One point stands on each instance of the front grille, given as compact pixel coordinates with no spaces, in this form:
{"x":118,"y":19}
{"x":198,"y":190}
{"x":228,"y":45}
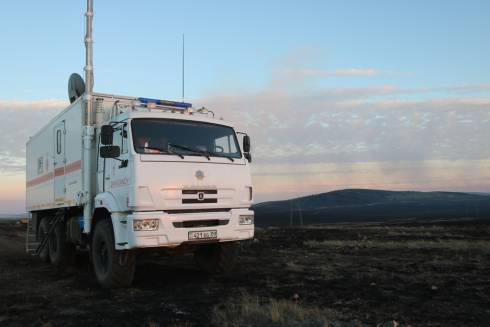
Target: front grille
{"x":200,"y":196}
{"x":200,"y":223}
{"x":188,"y":201}
{"x":199,"y":191}
{"x":197,"y":210}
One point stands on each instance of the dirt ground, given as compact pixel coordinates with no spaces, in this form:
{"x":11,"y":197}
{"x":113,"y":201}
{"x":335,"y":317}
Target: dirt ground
{"x":365,"y":275}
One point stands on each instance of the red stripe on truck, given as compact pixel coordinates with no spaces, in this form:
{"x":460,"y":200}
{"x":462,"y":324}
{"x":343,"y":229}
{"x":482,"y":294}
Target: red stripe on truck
{"x":74,"y":166}
{"x":40,"y":179}
{"x":59,"y":171}
{"x":70,"y":168}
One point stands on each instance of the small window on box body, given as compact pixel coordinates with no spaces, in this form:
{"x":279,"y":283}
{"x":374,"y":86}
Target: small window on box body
{"x":58,"y":141}
{"x":40,"y":166}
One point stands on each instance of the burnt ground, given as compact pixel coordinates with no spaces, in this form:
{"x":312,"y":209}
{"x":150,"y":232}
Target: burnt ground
{"x":365,"y":275}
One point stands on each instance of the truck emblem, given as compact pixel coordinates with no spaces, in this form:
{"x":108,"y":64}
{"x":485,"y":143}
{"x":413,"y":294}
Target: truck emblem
{"x":199,"y":174}
{"x":200,"y":196}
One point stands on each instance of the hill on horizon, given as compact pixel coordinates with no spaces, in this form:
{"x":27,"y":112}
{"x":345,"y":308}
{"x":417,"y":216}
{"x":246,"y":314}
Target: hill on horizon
{"x":13,"y":216}
{"x":366,"y":205}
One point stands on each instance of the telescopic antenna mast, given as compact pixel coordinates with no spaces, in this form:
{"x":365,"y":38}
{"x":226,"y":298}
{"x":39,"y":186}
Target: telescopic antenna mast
{"x":89,"y":131}
{"x":89,"y":67}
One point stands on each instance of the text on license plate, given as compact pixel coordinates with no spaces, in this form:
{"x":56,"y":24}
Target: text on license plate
{"x":203,"y":235}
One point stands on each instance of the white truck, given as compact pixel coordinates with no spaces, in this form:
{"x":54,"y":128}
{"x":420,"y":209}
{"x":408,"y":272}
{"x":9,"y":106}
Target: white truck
{"x":117,"y":174}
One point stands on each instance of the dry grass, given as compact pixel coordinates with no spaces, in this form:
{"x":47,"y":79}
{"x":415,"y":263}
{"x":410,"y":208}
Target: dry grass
{"x":378,"y":227}
{"x":153,"y":323}
{"x":247,"y":310}
{"x":294,"y":267}
{"x":453,"y":245}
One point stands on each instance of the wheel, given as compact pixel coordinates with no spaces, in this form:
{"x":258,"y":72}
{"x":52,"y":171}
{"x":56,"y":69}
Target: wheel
{"x":112,"y":268}
{"x":41,"y":231}
{"x":217,"y":257}
{"x":61,"y":252}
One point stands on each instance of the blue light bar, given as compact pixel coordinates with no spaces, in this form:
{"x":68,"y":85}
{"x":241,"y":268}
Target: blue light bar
{"x":165,"y":103}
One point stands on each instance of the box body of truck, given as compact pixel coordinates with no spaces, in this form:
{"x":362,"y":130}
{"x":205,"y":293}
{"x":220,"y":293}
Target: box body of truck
{"x":53,"y":165}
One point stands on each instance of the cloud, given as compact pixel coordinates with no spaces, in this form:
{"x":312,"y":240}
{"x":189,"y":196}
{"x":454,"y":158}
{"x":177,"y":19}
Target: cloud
{"x":33,"y":105}
{"x":369,"y":137}
{"x":341,"y":72}
{"x":400,"y":103}
{"x":374,"y":135}
{"x":355,"y":125}
{"x":467,"y":87}
{"x":361,"y":136}
{"x":20,"y":120}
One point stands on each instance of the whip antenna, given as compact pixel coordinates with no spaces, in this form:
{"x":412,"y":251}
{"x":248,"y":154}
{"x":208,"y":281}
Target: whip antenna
{"x":183,"y":66}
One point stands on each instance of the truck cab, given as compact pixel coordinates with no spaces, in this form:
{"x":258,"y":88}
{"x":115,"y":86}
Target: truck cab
{"x":170,"y":178}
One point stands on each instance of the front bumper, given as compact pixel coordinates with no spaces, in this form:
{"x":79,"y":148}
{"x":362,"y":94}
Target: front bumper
{"x":171,"y":231}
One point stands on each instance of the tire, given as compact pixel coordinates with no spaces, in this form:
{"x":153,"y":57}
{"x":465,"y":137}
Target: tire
{"x":61,"y":252}
{"x":216,"y":258}
{"x":41,"y":231}
{"x":112,"y":268}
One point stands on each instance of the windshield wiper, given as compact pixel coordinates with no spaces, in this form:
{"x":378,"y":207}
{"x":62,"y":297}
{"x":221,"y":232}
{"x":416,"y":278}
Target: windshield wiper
{"x":206,"y":154}
{"x":214,"y":154}
{"x":183,"y":147}
{"x":164,"y":151}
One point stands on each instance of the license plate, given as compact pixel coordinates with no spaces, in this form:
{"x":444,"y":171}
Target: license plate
{"x":203,"y":235}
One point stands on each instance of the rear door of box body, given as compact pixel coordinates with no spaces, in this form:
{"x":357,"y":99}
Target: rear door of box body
{"x":59,"y":162}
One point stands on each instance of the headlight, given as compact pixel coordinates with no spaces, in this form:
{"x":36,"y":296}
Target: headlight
{"x":246,"y":220}
{"x":145,"y":224}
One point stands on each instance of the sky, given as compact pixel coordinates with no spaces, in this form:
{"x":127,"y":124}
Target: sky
{"x":335,"y":94}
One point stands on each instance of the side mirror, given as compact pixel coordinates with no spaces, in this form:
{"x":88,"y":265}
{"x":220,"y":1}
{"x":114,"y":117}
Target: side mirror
{"x":106,"y":133}
{"x":110,"y":151}
{"x":246,"y":144}
{"x":248,"y":156}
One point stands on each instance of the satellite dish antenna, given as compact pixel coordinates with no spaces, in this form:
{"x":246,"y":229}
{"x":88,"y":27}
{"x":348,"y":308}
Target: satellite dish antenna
{"x":76,"y":87}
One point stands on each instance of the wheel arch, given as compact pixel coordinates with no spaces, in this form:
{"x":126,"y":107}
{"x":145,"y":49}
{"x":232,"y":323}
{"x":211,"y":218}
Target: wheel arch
{"x":118,"y":222}
{"x":105,"y":204}
{"x":100,"y":214}
{"x":108,"y":201}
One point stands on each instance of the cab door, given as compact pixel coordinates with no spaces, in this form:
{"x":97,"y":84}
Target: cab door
{"x":116,"y":174}
{"x":59,"y":163}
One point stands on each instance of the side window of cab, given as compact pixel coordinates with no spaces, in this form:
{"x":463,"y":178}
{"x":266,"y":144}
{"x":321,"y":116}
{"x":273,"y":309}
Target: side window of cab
{"x":117,"y":137}
{"x":225,"y":145}
{"x":120,"y":137}
{"x":124,"y":138}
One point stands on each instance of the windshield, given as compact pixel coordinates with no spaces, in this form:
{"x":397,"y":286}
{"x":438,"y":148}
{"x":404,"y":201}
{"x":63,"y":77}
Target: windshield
{"x":166,"y":136}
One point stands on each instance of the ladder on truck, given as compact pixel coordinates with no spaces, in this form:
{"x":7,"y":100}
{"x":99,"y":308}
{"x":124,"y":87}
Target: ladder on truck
{"x":34,"y":243}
